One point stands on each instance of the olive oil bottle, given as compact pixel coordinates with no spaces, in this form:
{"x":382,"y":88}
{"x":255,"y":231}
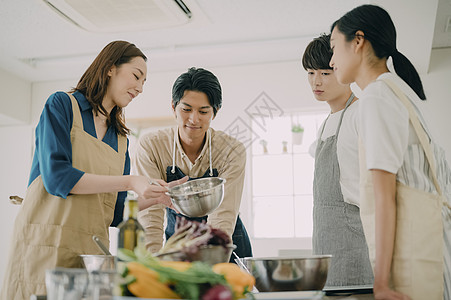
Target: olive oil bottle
{"x":131,"y":233}
{"x":130,"y":236}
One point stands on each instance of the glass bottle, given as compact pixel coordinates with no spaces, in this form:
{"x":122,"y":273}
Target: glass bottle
{"x":131,"y":233}
{"x":130,"y":236}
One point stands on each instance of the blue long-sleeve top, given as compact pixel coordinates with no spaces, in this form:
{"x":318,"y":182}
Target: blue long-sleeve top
{"x":53,"y":148}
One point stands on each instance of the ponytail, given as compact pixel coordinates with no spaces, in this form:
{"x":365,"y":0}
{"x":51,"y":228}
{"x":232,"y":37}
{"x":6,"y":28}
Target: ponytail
{"x":380,"y":31}
{"x":407,"y":72}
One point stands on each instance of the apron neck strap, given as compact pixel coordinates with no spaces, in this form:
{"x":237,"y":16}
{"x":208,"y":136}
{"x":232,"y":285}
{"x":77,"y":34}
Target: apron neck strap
{"x":77,"y":119}
{"x":348,"y":102}
{"x":174,"y":147}
{"x":209,"y":146}
{"x":419,"y":130}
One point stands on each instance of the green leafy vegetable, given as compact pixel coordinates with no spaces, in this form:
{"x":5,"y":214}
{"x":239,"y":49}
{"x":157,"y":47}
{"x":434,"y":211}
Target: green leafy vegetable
{"x":189,"y":284}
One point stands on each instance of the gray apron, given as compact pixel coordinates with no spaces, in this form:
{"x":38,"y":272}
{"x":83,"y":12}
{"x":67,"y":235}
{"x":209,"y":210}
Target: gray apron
{"x":337,"y":228}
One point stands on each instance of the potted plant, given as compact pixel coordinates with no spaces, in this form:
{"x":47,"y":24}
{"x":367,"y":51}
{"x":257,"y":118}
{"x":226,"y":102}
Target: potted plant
{"x":264,"y":143}
{"x":297,"y":132}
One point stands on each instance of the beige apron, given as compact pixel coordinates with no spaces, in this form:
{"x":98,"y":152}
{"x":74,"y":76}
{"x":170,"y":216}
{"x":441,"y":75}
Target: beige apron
{"x":51,"y":231}
{"x":417,"y":264}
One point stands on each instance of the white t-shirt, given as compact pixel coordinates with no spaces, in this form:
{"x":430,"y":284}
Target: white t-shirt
{"x":347,"y":149}
{"x":384,"y":124}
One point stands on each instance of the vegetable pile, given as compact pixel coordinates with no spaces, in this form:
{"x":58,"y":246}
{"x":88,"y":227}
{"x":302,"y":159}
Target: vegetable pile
{"x":189,"y":236}
{"x":145,"y":276}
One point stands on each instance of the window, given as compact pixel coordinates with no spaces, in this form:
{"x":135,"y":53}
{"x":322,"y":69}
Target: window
{"x":282,"y":177}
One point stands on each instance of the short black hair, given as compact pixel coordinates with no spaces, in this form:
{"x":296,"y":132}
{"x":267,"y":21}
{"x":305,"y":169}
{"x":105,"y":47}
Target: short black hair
{"x":317,"y":55}
{"x":198,"y":80}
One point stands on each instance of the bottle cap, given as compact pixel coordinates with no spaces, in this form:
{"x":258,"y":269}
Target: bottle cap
{"x":131,"y":195}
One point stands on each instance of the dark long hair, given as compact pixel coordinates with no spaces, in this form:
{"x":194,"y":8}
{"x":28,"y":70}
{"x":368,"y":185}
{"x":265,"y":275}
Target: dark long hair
{"x":94,"y":82}
{"x":379,"y":30}
{"x":198,"y":80}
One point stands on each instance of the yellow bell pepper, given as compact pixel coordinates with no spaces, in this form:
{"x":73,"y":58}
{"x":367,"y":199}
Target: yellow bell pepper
{"x":239,"y":280}
{"x":177,"y":265}
{"x":147,"y":284}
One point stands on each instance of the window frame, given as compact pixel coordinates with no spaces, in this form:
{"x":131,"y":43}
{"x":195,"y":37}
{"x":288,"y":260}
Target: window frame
{"x":273,"y":246}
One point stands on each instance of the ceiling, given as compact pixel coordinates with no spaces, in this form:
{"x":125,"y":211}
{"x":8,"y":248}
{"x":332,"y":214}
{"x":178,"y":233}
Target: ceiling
{"x":37,"y":44}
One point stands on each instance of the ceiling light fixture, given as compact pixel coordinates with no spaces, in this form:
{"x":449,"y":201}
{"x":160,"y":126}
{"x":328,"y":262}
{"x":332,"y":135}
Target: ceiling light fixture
{"x":124,"y":15}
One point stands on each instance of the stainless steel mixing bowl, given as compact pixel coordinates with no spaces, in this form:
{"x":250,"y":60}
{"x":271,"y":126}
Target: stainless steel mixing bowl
{"x":199,"y":197}
{"x":98,"y":262}
{"x":211,"y":254}
{"x":274,"y":274}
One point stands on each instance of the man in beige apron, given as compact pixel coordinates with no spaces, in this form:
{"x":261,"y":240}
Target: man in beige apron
{"x":51,"y":231}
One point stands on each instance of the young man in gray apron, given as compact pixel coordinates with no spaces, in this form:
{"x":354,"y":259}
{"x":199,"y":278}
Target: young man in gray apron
{"x":194,"y":149}
{"x":337,"y":228}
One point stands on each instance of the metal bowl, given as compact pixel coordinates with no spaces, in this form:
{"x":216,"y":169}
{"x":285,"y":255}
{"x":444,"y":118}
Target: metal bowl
{"x":98,"y":262}
{"x":275,"y":274}
{"x":199,"y":197}
{"x":210,"y":254}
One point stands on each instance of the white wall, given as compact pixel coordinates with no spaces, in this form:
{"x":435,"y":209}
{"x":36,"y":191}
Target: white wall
{"x":15,"y":99}
{"x":15,"y":153}
{"x":15,"y":161}
{"x":409,"y":33}
{"x":438,"y":92}
{"x":284,"y":82}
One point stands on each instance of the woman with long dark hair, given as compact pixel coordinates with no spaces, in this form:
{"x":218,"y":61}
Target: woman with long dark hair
{"x":401,"y":198}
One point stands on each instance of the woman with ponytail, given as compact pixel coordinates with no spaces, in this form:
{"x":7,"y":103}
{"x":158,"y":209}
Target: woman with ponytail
{"x":401,"y":199}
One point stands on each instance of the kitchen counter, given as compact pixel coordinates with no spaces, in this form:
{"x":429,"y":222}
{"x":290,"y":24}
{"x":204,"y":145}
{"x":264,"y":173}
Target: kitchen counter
{"x":352,"y":297}
{"x":311,"y":295}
